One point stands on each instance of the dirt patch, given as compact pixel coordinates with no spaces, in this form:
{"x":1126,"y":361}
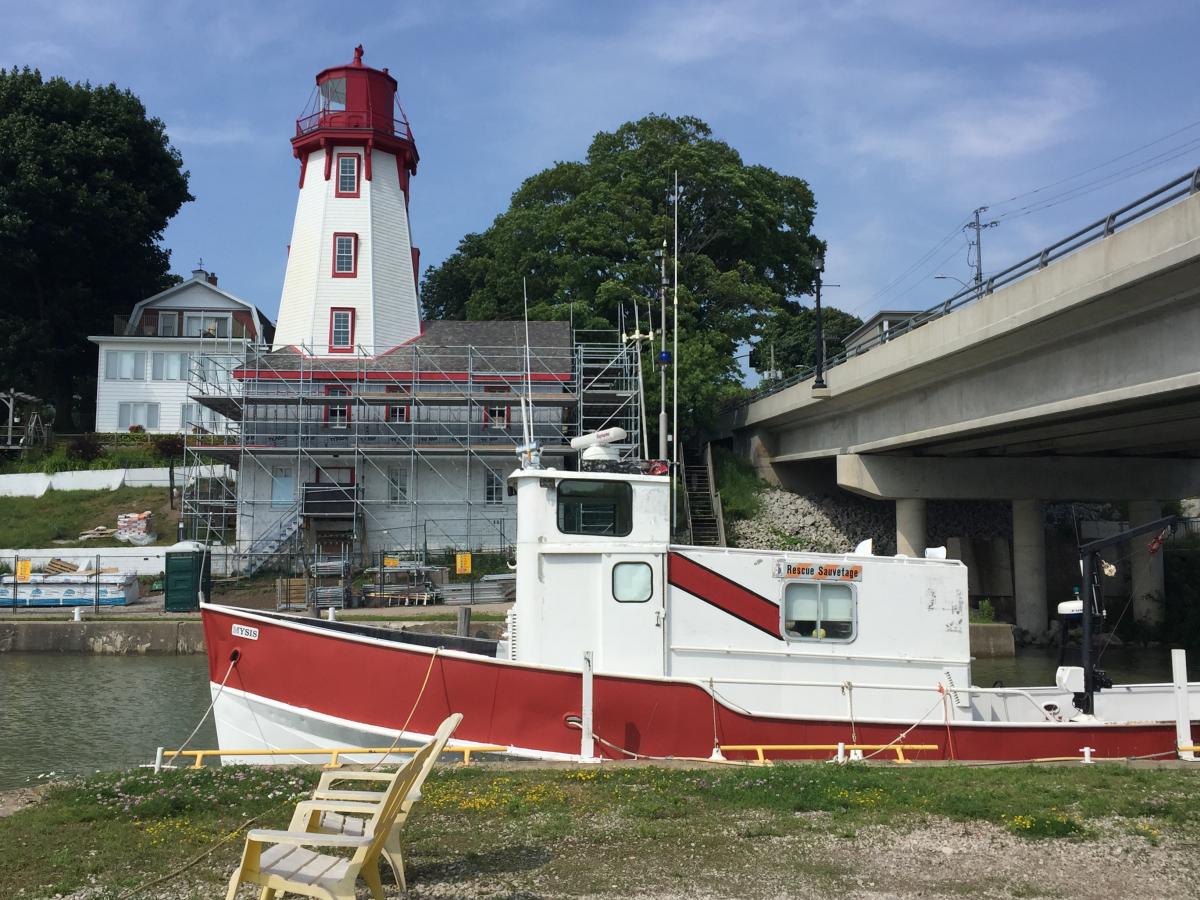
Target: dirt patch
{"x":22,"y":798}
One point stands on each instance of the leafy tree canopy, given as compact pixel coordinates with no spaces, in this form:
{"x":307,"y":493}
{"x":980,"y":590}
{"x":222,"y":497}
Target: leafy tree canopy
{"x":584,"y":234}
{"x":88,"y":182}
{"x":792,"y":334}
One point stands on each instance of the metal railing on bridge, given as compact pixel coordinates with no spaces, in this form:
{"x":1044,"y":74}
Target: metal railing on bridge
{"x":1177,"y":189}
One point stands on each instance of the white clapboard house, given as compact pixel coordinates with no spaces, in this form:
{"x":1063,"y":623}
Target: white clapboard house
{"x":146,"y":364}
{"x":360,"y":426}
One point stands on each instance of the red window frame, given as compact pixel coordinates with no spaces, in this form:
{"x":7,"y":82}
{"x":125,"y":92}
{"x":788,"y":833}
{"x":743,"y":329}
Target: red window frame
{"x":397,"y":412}
{"x":337,"y":184}
{"x":338,"y":348}
{"x":353,"y":273}
{"x":329,"y":392}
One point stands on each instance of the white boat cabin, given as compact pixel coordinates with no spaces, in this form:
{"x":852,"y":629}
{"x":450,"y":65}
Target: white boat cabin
{"x":596,"y":572}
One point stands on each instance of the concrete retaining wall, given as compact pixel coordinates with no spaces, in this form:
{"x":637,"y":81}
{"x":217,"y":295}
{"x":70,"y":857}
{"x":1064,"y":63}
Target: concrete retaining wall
{"x":115,"y":638}
{"x":992,"y":640}
{"x":34,"y":484}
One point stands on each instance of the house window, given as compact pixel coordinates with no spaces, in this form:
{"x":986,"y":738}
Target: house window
{"x":632,"y":582}
{"x":396,"y":412}
{"x":496,"y":416}
{"x":397,"y":485}
{"x":495,"y":488}
{"x":595,"y":507}
{"x":345,"y":255}
{"x":283,"y":485}
{"x":341,"y":330}
{"x":337,"y":414}
{"x":169,"y":366}
{"x":124,"y":365}
{"x":204,"y":325}
{"x":347,"y":178}
{"x":194,"y":417}
{"x":818,"y":611}
{"x":168,"y":324}
{"x":130,"y":414}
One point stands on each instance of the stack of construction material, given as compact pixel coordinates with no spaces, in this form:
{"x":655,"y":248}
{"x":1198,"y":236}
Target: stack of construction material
{"x":136,"y":528}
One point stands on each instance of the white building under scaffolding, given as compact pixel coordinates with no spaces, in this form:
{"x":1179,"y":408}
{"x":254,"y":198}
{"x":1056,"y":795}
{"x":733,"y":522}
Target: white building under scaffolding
{"x":403,"y":451}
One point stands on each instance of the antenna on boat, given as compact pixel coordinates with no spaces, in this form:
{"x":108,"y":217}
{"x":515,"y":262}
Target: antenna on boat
{"x":529,"y":452}
{"x":637,"y":348}
{"x":675,"y":336}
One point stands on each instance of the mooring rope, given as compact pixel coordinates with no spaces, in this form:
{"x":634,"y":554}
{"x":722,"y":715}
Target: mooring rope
{"x":204,"y":854}
{"x":232,"y":662}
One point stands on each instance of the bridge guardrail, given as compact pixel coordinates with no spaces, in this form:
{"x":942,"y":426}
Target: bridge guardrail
{"x":1183,"y":186}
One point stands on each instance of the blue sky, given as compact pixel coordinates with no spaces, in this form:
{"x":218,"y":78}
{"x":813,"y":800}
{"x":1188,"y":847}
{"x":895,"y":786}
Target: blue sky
{"x":902,"y":116}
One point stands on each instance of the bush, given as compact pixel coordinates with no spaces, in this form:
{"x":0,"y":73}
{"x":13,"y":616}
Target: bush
{"x":84,"y":448}
{"x":137,"y":429}
{"x":169,"y":446}
{"x":738,"y":484}
{"x":985,"y":612}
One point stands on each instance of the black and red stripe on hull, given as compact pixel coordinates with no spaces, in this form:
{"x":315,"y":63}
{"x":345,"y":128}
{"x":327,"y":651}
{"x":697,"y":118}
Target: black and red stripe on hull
{"x":378,"y":683}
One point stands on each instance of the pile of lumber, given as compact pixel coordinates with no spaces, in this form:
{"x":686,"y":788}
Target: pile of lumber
{"x":100,"y":532}
{"x":136,"y":528}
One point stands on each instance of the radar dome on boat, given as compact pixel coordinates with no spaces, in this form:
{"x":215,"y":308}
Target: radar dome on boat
{"x":598,"y":438}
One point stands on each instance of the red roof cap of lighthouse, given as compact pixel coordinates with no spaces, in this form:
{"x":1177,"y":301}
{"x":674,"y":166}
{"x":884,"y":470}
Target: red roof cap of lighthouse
{"x":355,"y":104}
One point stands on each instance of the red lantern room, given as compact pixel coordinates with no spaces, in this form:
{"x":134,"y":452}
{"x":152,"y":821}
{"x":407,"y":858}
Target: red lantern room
{"x":355,"y":105}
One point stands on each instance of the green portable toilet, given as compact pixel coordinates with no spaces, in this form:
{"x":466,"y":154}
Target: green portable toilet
{"x":188,"y":574}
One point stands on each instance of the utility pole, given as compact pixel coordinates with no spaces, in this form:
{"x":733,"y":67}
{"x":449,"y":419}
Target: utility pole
{"x":819,"y":375}
{"x":978,"y":228}
{"x":663,"y":356}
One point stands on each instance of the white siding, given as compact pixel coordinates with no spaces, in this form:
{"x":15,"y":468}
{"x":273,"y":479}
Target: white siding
{"x":383,"y":294}
{"x":169,"y":395}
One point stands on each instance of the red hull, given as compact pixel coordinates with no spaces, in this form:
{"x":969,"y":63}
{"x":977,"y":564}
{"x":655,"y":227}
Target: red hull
{"x":527,"y":707}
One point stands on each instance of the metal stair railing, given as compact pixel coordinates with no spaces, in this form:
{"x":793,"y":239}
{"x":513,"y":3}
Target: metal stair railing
{"x":272,"y":542}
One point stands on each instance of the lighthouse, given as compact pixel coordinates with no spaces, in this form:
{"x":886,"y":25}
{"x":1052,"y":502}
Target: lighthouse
{"x":351,"y":281}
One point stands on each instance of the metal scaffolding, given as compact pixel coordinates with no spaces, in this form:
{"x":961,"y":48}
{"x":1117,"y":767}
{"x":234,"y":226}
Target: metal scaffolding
{"x":420,"y":421}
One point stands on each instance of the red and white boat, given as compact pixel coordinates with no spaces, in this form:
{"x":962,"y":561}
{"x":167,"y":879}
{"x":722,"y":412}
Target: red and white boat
{"x":668,"y":651}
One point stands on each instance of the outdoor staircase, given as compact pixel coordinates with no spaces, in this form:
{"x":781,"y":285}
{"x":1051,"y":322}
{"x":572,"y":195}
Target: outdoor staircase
{"x":702,"y":500}
{"x":278,"y":539}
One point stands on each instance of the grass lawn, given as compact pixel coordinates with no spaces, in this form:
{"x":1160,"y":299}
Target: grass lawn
{"x":809,"y":830}
{"x":62,"y":515}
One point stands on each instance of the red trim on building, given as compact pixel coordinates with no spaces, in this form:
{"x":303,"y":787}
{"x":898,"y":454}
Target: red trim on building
{"x":416,"y":258}
{"x":397,"y":412}
{"x":487,"y":415}
{"x":337,"y":185}
{"x":295,"y":374}
{"x":303,"y":169}
{"x":353,"y":273}
{"x":367,"y":159}
{"x":326,"y":146}
{"x":338,"y":348}
{"x":727,"y":596}
{"x":329,"y":392}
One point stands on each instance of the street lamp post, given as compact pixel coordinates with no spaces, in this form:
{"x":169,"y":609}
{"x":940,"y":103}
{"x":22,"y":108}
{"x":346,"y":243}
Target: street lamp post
{"x":819,"y":376}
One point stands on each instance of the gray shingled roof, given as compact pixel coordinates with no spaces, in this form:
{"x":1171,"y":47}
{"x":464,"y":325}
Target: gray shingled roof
{"x":452,"y":346}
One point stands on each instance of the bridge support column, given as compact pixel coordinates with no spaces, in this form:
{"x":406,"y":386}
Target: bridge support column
{"x":910,"y":527}
{"x":1145,"y":571}
{"x":1029,"y":566}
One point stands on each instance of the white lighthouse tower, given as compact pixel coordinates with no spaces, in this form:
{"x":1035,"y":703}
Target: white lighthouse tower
{"x":351,"y":282}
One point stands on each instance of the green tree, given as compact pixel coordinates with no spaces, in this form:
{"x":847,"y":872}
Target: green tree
{"x":792,"y":332}
{"x":584,"y":234}
{"x":88,"y":182}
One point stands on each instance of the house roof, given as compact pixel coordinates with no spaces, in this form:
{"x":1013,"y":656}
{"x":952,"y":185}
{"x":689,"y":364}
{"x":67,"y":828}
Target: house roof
{"x":449,"y":348}
{"x":263,"y":326}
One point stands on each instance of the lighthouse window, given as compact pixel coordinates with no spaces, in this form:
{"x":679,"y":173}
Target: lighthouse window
{"x":821,"y":611}
{"x":347,"y":183}
{"x":345,"y":255}
{"x":341,"y":330}
{"x":595,"y":507}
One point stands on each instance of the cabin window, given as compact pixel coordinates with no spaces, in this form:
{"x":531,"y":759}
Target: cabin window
{"x":821,"y":611}
{"x":632,"y":582}
{"x":595,"y":507}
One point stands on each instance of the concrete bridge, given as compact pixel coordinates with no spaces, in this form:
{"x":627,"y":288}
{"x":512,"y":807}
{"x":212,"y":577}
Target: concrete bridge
{"x":1078,"y":381}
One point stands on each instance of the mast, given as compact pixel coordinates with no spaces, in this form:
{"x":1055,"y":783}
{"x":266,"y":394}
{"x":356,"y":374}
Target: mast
{"x":675,"y":335}
{"x":662,"y":351}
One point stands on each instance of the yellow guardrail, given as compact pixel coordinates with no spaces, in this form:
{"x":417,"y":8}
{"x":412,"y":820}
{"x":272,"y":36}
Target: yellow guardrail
{"x":761,"y":749}
{"x":334,"y":753}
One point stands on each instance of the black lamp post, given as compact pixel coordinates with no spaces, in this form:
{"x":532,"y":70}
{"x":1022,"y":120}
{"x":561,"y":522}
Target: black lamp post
{"x":819,"y":376}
